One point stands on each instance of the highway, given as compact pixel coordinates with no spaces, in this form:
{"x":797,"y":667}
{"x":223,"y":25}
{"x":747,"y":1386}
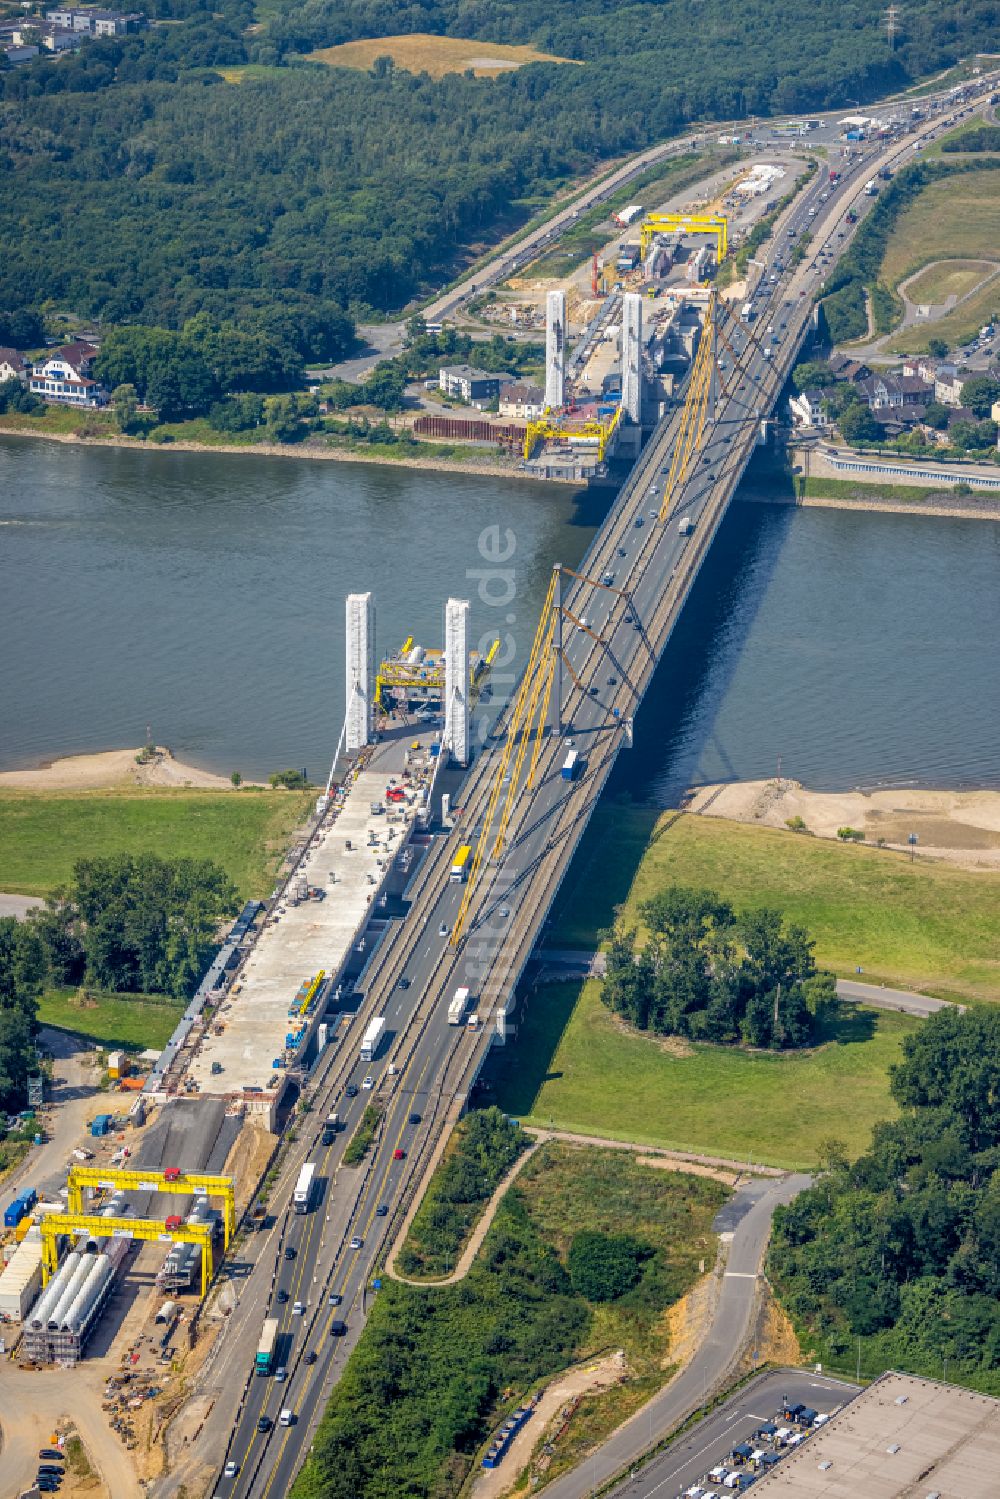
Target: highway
{"x":612,"y":660}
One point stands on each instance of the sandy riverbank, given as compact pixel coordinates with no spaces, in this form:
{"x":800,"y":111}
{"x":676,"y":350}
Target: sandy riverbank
{"x":959,"y":827}
{"x":283,"y":450}
{"x":112,"y":770}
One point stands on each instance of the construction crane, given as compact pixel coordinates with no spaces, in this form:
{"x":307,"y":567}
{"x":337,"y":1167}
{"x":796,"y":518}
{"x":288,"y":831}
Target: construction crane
{"x":599,"y":430}
{"x":55,"y":1226}
{"x":172,"y":1180}
{"x":715,"y":224}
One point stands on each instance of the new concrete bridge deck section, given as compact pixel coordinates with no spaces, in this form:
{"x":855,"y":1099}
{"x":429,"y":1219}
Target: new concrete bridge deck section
{"x":348,"y":859}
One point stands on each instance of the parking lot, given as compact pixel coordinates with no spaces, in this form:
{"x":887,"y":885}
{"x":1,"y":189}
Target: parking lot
{"x":735,"y":1445}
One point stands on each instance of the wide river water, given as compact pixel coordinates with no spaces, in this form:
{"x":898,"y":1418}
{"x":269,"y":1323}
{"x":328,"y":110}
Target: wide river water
{"x":203,"y":596}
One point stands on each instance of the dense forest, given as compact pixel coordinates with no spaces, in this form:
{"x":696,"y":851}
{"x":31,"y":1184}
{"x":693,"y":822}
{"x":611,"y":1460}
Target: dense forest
{"x":156,"y":190}
{"x":706,"y":973}
{"x":901,"y":1249}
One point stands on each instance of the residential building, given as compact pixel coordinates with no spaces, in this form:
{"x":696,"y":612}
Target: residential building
{"x":846,"y":368}
{"x":522,"y":399}
{"x":64,"y":377}
{"x":93,"y":22}
{"x":60,"y":41}
{"x":807,"y":409}
{"x":14,"y":55}
{"x":475,"y":387}
{"x":948,"y":384}
{"x":895,"y":392}
{"x":13,"y":366}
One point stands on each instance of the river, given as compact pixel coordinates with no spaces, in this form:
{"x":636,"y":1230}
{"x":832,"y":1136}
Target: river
{"x":202,"y":595}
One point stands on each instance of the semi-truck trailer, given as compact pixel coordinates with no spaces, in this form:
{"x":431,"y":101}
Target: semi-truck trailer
{"x":458,"y":1006}
{"x":747,"y":313}
{"x":330,"y":1127}
{"x":460,"y":868}
{"x":371,"y":1038}
{"x":303,"y":1192}
{"x":265,"y":1348}
{"x":571,"y":766}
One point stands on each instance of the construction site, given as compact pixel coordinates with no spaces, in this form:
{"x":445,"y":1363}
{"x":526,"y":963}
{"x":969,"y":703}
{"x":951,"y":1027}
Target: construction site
{"x":132,"y":1233}
{"x":622,"y":329}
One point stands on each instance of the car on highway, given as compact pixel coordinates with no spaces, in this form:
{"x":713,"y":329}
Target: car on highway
{"x":289,"y":1252}
{"x":592,"y":691}
{"x":638,"y":522}
{"x":282,"y":1296}
{"x":504,"y":912}
{"x":414,"y":1118}
{"x":382,"y":1211}
{"x":399,"y":1155}
{"x":311,"y":1356}
{"x":281,"y":1374}
{"x":403,"y":983}
{"x":612,"y":681}
{"x":351,"y":1090}
{"x":264,"y":1424}
{"x":299,"y":1309}
{"x":334,"y":1299}
{"x":337,"y":1329}
{"x":443,"y":930}
{"x":622,"y":552}
{"x":230,"y":1470}
{"x":356,"y":1242}
{"x":368,"y":1083}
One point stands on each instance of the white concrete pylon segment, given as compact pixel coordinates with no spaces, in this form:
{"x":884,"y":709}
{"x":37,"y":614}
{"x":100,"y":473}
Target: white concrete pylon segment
{"x":632,"y":355}
{"x":555,"y":349}
{"x":456,"y":678}
{"x":360,"y":670}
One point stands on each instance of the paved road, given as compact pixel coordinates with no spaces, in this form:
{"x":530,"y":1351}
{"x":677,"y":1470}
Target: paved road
{"x":71,"y":1103}
{"x":19,"y":905}
{"x":880,"y":998}
{"x":748,"y":1218}
{"x":610,"y":662}
{"x":686,"y":1462}
{"x":877,"y":996}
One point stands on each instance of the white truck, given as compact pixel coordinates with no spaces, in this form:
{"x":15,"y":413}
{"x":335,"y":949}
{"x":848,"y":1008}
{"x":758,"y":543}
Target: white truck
{"x":371,"y":1038}
{"x":302,"y":1194}
{"x":748,"y":313}
{"x":685,"y":525}
{"x":458,"y":1006}
{"x":871,"y":188}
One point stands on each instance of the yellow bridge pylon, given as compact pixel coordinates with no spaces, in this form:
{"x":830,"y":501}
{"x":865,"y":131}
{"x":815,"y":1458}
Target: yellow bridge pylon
{"x":178,"y":1183}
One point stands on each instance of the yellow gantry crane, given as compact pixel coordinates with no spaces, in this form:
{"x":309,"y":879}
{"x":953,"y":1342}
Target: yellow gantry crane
{"x":715,"y":224}
{"x":172,"y":1180}
{"x":55,"y":1225}
{"x":598,"y":430}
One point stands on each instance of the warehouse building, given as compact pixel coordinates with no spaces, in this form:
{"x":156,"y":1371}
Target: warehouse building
{"x":901,"y":1438}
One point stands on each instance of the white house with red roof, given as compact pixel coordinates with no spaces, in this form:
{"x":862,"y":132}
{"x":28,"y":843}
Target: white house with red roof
{"x":64,"y":376}
{"x":13,"y":366}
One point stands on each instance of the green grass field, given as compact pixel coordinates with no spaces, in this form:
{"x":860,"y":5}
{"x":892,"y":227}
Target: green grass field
{"x":43,"y":834}
{"x":923,"y":926}
{"x":851,"y":489}
{"x":948,"y":278}
{"x":131,"y":1021}
{"x":575,"y":1067}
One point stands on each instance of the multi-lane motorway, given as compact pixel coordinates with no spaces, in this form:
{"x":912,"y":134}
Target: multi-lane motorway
{"x":611,"y":661}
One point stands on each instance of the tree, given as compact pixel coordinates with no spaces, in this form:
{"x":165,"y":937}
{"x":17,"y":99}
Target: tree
{"x":149,"y":924}
{"x":384,"y":387}
{"x":858,"y":424}
{"x":282,"y":419}
{"x":124,"y":401}
{"x":57,"y":925}
{"x":603,"y":1267}
{"x":22,"y":973}
{"x":291,"y":780}
{"x":980,"y":393}
{"x":937,"y":348}
{"x":236,"y":779}
{"x":812,"y":373}
{"x":936,"y":416}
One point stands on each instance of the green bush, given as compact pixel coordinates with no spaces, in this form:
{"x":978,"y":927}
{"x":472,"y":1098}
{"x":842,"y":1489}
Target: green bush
{"x":485,"y":1146}
{"x":603,"y":1267}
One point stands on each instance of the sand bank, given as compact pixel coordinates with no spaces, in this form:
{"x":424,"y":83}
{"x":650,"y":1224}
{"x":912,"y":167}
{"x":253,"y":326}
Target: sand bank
{"x":111,"y":769}
{"x":960,"y":827}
